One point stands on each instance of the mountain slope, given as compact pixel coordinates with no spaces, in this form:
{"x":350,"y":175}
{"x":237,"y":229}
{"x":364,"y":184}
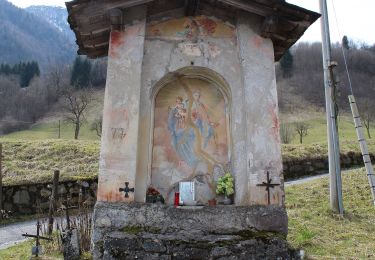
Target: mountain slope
{"x":24,"y":37}
{"x":54,"y":15}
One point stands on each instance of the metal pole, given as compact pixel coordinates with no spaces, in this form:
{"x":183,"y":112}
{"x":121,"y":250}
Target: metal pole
{"x":332,"y":134}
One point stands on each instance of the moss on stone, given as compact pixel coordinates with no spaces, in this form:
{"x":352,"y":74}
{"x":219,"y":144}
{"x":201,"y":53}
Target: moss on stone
{"x":133,"y":230}
{"x":249,"y":234}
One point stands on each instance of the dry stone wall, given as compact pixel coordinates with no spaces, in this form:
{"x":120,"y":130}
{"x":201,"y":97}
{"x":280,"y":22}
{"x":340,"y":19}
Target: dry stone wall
{"x":34,"y":198}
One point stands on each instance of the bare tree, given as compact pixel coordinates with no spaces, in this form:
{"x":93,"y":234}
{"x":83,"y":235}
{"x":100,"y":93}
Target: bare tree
{"x":97,"y":126}
{"x":75,"y":105}
{"x":56,"y":81}
{"x":367,"y":114}
{"x":286,"y":133}
{"x":302,"y":130}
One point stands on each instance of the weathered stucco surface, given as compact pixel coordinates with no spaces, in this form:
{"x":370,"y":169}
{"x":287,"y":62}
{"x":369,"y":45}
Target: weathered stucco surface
{"x":143,"y":58}
{"x":118,"y":156}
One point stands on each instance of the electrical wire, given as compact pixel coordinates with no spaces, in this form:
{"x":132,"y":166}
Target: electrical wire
{"x":342,"y":50}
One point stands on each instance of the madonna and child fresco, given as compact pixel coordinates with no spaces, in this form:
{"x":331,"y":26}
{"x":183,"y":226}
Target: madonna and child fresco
{"x":190,"y":141}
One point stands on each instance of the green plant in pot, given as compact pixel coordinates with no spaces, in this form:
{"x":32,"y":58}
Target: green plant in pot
{"x":225,"y":186}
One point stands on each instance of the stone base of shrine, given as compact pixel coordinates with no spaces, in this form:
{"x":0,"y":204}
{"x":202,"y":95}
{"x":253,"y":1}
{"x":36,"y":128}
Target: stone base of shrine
{"x":150,"y":231}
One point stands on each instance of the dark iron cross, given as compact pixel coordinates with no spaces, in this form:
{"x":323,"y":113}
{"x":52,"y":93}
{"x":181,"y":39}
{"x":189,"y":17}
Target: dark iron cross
{"x":38,"y":237}
{"x":126,"y":190}
{"x":269,"y":185}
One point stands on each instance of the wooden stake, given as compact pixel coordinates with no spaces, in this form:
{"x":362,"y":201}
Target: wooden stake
{"x":52,"y":202}
{"x":59,"y":129}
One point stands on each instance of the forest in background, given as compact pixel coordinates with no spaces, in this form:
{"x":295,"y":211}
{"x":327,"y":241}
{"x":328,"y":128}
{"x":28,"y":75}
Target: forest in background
{"x":300,"y":76}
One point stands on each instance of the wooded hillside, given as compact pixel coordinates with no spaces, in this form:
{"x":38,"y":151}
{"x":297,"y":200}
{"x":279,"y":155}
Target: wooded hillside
{"x":25,"y":37}
{"x":302,"y":85}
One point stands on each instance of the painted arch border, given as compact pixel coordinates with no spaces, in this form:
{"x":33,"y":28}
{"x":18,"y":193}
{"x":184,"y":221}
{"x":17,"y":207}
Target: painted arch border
{"x":195,"y":72}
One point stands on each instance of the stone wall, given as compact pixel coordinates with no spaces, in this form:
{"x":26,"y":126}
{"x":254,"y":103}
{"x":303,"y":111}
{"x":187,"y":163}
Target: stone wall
{"x":294,"y":169}
{"x":34,"y":198}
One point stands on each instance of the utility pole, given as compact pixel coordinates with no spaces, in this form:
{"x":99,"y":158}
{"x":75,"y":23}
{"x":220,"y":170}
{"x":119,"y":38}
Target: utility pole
{"x":332,"y":131}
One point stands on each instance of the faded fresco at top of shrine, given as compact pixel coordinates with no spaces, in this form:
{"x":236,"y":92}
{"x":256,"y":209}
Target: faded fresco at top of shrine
{"x":190,"y":27}
{"x":190,"y":141}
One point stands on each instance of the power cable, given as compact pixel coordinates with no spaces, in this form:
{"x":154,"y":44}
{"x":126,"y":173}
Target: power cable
{"x":342,"y":50}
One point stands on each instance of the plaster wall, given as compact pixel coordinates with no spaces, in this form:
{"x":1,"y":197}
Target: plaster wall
{"x":118,"y":155}
{"x":232,"y":55}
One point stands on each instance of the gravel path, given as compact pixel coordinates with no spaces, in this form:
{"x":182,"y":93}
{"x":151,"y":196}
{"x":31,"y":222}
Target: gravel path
{"x":311,"y":178}
{"x":12,"y":234}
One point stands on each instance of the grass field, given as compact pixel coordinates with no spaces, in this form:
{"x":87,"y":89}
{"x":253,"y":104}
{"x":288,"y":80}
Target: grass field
{"x":324,"y":235}
{"x":33,"y":161}
{"x":42,"y":131}
{"x":318,"y":129}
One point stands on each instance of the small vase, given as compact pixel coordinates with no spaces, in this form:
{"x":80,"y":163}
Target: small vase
{"x":227,"y":200}
{"x":212,"y":202}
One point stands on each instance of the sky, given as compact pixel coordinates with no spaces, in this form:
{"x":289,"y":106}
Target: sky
{"x":355,"y":17}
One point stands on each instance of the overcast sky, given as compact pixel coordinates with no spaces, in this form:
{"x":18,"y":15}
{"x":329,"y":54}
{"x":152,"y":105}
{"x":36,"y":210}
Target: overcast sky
{"x":356,"y":17}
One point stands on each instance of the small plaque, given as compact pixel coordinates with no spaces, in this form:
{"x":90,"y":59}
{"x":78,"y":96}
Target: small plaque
{"x":187,"y":193}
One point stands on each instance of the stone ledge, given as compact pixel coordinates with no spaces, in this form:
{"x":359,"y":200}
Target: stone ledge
{"x":150,"y":231}
{"x":219,"y":219}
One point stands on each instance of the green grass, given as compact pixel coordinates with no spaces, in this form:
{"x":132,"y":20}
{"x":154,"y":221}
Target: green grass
{"x":22,"y":251}
{"x":33,"y":161}
{"x":317,"y":150}
{"x":318,"y":130}
{"x":49,"y":130}
{"x":324,"y":235}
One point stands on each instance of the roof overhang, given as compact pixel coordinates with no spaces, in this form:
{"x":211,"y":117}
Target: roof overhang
{"x":283,"y":23}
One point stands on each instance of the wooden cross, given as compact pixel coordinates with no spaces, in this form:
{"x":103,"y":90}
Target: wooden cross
{"x":67,"y":208}
{"x":126,"y":190}
{"x":37,"y":236}
{"x":269,"y":185}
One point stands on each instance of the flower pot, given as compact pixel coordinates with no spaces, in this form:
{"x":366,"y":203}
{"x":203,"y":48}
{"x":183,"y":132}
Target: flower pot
{"x":227,"y":200}
{"x":212,"y":202}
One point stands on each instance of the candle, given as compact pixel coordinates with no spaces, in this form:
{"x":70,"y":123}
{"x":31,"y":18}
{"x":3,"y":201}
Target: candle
{"x":176,"y":199}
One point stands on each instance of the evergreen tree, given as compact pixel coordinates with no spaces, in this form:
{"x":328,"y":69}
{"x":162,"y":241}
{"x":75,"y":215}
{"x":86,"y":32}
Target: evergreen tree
{"x":80,"y":77}
{"x":25,"y":71}
{"x":286,"y":64}
{"x":345,"y":42}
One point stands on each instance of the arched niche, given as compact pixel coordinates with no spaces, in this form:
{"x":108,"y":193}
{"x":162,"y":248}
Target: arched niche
{"x":190,"y":134}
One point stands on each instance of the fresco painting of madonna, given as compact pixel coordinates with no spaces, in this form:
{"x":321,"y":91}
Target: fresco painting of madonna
{"x":190,"y":141}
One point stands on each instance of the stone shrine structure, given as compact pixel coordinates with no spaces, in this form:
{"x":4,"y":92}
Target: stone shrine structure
{"x":190,"y":95}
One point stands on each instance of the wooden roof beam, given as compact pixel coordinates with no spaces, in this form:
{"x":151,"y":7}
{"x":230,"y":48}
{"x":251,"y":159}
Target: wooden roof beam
{"x":249,"y":7}
{"x":191,"y":7}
